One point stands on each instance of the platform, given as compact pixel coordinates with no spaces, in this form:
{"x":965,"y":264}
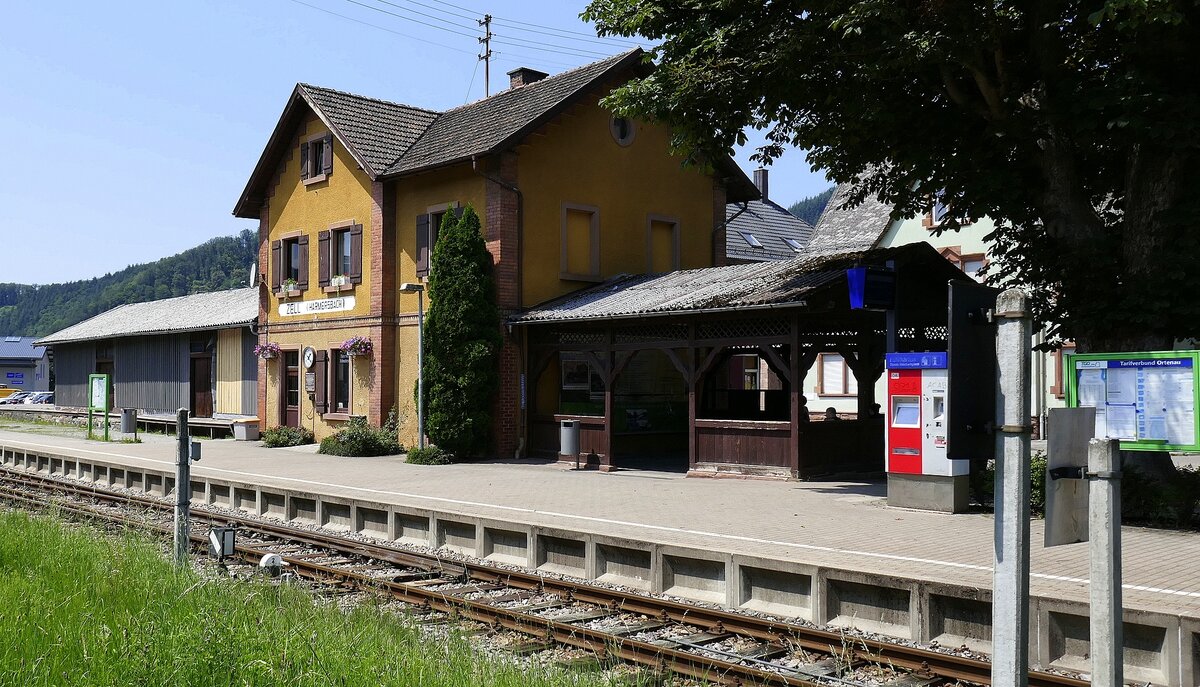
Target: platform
{"x":828,"y":552}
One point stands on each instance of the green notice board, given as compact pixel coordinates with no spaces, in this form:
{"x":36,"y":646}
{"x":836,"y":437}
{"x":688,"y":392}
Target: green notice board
{"x":1147,"y":400}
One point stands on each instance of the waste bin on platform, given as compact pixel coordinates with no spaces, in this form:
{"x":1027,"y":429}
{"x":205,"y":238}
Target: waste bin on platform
{"x":129,"y":421}
{"x":568,"y":440}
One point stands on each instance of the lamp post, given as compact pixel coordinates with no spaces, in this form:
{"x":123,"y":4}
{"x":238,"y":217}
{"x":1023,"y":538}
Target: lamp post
{"x":419,"y":289}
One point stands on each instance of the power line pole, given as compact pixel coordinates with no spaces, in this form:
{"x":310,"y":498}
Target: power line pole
{"x":486,"y":23}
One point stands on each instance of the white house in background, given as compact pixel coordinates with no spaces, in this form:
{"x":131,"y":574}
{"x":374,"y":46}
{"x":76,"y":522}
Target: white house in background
{"x":830,"y":383}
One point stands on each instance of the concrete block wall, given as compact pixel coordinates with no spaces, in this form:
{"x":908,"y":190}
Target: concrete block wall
{"x":1160,"y":649}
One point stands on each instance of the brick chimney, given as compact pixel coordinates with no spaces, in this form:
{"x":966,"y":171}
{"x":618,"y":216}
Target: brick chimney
{"x":760,"y":180}
{"x":523,"y":76}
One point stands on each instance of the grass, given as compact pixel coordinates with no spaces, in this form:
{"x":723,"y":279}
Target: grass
{"x":83,"y":609}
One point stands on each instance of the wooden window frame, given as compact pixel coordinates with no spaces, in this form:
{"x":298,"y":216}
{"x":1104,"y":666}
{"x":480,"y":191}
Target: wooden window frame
{"x":594,"y":238}
{"x":331,"y":386}
{"x":309,"y":173}
{"x":330,"y":252}
{"x":432,"y":213}
{"x":675,"y":240}
{"x":845,"y":377}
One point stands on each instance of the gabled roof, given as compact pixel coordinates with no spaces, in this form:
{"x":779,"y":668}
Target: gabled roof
{"x":761,"y":285}
{"x":20,"y":347}
{"x":850,"y":228}
{"x":770,"y":224}
{"x":390,"y":139}
{"x":376,"y":130}
{"x":200,"y":311}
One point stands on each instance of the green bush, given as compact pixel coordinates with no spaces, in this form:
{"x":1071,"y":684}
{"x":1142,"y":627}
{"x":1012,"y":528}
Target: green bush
{"x":430,"y":455}
{"x":286,"y":436}
{"x":361,"y":439}
{"x":462,"y":339}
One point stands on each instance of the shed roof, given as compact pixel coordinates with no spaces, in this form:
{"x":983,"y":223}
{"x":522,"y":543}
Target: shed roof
{"x":770,"y":224}
{"x":391,"y":139}
{"x":783,"y":283}
{"x":200,"y":311}
{"x":20,"y":347}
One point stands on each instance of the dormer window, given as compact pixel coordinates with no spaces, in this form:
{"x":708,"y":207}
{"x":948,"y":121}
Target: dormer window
{"x":794,"y":245}
{"x":316,"y":158}
{"x":749,"y":238}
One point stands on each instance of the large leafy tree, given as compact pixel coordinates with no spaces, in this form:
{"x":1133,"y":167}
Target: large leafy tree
{"x":462,"y":338}
{"x":1074,"y":124}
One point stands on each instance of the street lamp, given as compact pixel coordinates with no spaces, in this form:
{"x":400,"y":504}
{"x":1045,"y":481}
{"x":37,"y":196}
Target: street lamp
{"x":419,"y":289}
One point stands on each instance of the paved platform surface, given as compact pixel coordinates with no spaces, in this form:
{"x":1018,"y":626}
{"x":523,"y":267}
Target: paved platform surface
{"x":833,"y":524}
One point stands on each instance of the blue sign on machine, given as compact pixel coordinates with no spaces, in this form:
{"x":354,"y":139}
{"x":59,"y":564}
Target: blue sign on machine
{"x":15,"y":375}
{"x":916,"y":361}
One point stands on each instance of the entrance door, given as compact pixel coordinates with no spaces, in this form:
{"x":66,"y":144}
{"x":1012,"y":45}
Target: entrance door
{"x":290,"y":415}
{"x":201,"y":380}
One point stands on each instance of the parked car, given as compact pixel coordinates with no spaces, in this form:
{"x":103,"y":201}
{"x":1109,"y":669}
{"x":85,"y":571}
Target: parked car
{"x":40,"y":397}
{"x":18,"y":397}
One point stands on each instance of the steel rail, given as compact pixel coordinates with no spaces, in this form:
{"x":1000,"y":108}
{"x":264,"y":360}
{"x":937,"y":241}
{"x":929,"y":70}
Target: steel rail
{"x":922,"y":661}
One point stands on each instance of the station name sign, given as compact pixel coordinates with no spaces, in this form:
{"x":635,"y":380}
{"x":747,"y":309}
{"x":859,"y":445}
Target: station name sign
{"x":317,"y":307}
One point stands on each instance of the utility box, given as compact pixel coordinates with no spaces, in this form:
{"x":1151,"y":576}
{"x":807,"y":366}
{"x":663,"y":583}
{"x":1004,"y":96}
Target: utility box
{"x":920,"y":471}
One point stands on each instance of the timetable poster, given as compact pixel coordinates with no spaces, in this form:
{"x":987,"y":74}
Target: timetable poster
{"x":1140,"y":399}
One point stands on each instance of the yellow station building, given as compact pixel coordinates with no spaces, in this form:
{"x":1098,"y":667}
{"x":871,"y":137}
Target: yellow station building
{"x":349,"y":193}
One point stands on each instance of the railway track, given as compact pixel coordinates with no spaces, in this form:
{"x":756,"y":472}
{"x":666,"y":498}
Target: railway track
{"x":665,"y":635}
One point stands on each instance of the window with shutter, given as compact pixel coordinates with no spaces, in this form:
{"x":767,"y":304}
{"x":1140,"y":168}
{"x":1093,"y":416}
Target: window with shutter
{"x":302,"y":259}
{"x":422,"y":256}
{"x":316,"y":158}
{"x":320,"y":396}
{"x":323,"y":258}
{"x":339,"y":396}
{"x":352,"y":254}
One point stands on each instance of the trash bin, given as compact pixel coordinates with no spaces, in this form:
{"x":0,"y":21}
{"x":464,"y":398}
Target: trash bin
{"x":129,"y":421}
{"x":568,"y":440}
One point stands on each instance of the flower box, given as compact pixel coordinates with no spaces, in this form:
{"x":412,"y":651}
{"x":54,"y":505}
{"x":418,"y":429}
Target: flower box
{"x":357,"y":346}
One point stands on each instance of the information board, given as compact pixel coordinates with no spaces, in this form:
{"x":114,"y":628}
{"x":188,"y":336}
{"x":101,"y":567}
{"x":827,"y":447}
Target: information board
{"x":1147,"y":400}
{"x":98,"y":392}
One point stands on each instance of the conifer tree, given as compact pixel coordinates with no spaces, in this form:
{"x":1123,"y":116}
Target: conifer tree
{"x":462,"y":338}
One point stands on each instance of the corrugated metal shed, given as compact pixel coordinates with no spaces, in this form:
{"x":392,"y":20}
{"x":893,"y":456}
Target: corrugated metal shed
{"x":199,"y":311}
{"x":735,"y":287}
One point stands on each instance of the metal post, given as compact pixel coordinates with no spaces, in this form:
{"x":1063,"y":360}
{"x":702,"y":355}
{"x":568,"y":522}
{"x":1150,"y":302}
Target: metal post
{"x":183,"y":488}
{"x":421,"y":369}
{"x":1010,"y":584}
{"x":1104,"y":543}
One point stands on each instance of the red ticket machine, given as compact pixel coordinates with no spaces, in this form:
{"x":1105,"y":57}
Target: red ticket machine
{"x":920,"y":474}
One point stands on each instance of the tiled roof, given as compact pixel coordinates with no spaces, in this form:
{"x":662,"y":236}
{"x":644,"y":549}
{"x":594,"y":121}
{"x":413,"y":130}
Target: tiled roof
{"x":390,"y":139}
{"x":734,"y":287}
{"x":378,"y":130}
{"x":20,"y":347}
{"x":486,"y":125}
{"x":218,"y":310}
{"x":850,"y":228}
{"x":770,"y":224}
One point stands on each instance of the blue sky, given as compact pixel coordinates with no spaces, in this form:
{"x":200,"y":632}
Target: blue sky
{"x":131,"y":127}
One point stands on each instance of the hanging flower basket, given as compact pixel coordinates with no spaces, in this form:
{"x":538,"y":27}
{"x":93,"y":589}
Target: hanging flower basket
{"x":267,"y":351}
{"x":357,"y":345}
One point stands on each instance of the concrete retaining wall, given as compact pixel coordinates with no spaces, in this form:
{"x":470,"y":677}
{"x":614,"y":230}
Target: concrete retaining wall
{"x":1159,"y":649}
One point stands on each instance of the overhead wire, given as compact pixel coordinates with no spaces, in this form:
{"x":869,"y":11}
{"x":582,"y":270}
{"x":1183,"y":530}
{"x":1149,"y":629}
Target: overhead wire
{"x":384,"y":28}
{"x":576,"y":35}
{"x":415,"y":21}
{"x":545,"y":46}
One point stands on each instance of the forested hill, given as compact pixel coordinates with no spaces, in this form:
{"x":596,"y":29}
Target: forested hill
{"x":810,"y":208}
{"x":221,"y":263}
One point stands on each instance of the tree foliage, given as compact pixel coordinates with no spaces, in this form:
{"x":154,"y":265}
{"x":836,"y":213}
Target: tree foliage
{"x":1073,"y":124}
{"x":810,"y":208}
{"x":462,"y":338}
{"x":218,"y":264}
